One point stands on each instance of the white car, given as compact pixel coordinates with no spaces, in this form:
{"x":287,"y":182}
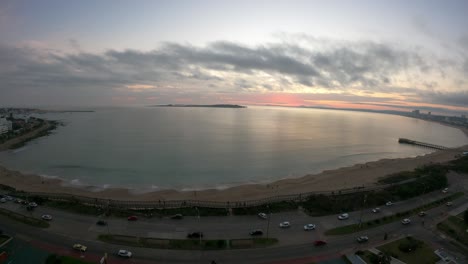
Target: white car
{"x":262,"y":215}
{"x":80,"y":247}
{"x":376,"y":210}
{"x":33,"y":204}
{"x":46,"y":217}
{"x":389,"y":203}
{"x":343,"y":216}
{"x":449,"y":204}
{"x":285,"y":224}
{"x":445,"y":190}
{"x":406,"y":221}
{"x":124,"y":253}
{"x":309,"y":227}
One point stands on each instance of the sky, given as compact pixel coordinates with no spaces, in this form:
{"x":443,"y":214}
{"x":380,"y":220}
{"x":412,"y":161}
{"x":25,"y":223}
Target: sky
{"x":398,"y":55}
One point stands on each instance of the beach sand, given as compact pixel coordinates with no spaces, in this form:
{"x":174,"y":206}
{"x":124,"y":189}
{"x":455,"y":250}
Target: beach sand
{"x":331,"y":180}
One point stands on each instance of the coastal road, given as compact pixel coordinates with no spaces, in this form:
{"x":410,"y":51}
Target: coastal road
{"x":69,"y":228}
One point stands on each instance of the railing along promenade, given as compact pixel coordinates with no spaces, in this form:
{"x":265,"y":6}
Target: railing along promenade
{"x":165,"y":204}
{"x":422,"y":144}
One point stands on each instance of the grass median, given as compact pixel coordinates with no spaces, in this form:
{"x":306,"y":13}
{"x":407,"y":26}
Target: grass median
{"x":349,"y":229}
{"x":24,"y":219}
{"x":187,"y":244}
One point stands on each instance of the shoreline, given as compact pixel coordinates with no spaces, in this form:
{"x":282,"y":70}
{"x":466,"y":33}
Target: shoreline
{"x":358,"y":175}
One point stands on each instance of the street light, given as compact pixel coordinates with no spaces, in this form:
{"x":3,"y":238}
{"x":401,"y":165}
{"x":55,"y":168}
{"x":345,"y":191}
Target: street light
{"x":200,"y":235}
{"x":268,"y":223}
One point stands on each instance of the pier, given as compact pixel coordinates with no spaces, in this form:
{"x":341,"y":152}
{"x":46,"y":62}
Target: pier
{"x":422,"y":144}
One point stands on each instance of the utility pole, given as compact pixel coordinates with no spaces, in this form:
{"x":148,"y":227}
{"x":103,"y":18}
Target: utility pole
{"x":362,"y":207}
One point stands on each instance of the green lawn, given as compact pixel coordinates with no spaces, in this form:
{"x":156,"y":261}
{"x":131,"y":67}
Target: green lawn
{"x":455,"y":227}
{"x":421,"y":255}
{"x":187,"y":244}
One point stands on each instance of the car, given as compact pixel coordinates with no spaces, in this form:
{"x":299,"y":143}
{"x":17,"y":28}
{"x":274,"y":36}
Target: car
{"x":445,"y":190}
{"x":449,"y":204}
{"x":362,"y":239}
{"x":132,"y":218}
{"x":195,"y":235}
{"x":46,"y":217}
{"x":101,"y":223}
{"x":80,"y":247}
{"x":343,"y":216}
{"x":9,"y":198}
{"x":3,"y":200}
{"x":422,"y":213}
{"x":177,"y":216}
{"x":33,"y":204}
{"x":124,"y":253}
{"x":309,"y":227}
{"x":319,"y":243}
{"x":389,"y":203}
{"x":262,"y":215}
{"x":376,"y":210}
{"x":285,"y":224}
{"x":256,"y":232}
{"x":406,"y":221}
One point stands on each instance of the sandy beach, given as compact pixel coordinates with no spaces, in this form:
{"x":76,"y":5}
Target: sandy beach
{"x":331,"y":180}
{"x":348,"y":177}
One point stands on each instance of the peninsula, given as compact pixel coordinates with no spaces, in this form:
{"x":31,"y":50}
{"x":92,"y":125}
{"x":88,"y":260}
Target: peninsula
{"x":192,"y":105}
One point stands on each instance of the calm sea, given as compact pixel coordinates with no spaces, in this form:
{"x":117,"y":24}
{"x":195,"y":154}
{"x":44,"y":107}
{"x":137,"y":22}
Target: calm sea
{"x":196,"y":148}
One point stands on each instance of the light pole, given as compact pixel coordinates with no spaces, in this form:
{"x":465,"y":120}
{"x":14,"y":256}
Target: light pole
{"x":200,"y":233}
{"x":268,"y":219}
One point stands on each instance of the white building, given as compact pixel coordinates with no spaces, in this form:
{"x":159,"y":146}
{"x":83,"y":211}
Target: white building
{"x":5,"y":126}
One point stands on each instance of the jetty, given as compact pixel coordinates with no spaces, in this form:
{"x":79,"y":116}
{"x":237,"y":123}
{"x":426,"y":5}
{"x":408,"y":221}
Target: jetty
{"x":421,"y":144}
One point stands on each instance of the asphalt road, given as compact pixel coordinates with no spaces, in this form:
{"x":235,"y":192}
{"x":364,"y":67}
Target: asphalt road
{"x":295,"y":243}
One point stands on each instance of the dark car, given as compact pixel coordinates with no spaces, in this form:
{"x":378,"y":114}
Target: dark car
{"x":195,"y":235}
{"x":362,"y":239}
{"x":101,"y":223}
{"x":319,"y":243}
{"x":177,"y":216}
{"x":256,"y":232}
{"x":132,"y":218}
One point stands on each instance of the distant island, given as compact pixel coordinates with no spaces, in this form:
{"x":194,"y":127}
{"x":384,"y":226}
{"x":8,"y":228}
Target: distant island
{"x":213,"y":105}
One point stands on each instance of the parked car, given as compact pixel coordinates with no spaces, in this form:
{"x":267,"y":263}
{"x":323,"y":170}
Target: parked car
{"x":256,"y":232}
{"x":362,"y":239}
{"x":9,"y":198}
{"x":422,"y":213}
{"x":319,"y":243}
{"x":195,"y":235}
{"x":177,"y":216}
{"x":33,"y":204}
{"x":389,"y":203}
{"x":406,"y":221}
{"x":285,"y":224}
{"x":309,"y":227}
{"x":445,"y":190}
{"x":46,"y":217}
{"x":376,"y":210}
{"x":80,"y":247}
{"x":343,"y":216}
{"x":124,"y":253}
{"x":101,"y":223}
{"x":262,"y":215}
{"x":449,"y":204}
{"x":3,"y":200}
{"x":132,"y":218}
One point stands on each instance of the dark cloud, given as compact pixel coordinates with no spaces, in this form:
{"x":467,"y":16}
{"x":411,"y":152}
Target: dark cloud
{"x":365,"y":66}
{"x":447,"y":98}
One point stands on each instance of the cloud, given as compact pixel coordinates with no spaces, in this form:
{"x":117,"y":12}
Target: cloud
{"x":222,"y":67}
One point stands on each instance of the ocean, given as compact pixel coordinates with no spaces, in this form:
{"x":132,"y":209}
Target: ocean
{"x":151,"y":148}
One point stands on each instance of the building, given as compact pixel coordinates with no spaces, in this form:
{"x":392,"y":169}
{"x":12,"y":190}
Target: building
{"x":5,"y":126}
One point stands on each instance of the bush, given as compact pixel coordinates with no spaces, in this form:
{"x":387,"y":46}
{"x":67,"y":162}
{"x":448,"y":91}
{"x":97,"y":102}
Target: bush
{"x":409,"y":245}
